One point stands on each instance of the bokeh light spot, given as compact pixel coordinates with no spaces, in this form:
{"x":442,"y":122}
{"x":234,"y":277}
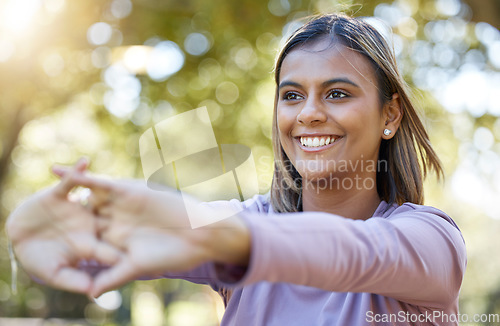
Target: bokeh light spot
{"x":119,"y":104}
{"x":136,"y":58}
{"x":111,"y":300}
{"x":227,"y":92}
{"x":266,"y":43}
{"x":393,"y":14}
{"x":461,"y":92}
{"x":99,"y":33}
{"x":209,"y":69}
{"x":162,"y":111}
{"x":35,"y":298}
{"x":121,"y":8}
{"x":448,"y":7}
{"x":421,"y":52}
{"x":148,"y":310}
{"x":196,"y":44}
{"x":123,"y":98}
{"x":165,"y":60}
{"x":142,"y":115}
{"x":245,"y":58}
{"x":53,"y":64}
{"x":382,"y":27}
{"x":408,"y":27}
{"x":483,"y":139}
{"x":494,"y":53}
{"x":279,"y":7}
{"x":486,"y":33}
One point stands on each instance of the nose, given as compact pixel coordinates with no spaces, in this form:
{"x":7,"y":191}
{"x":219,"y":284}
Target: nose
{"x":311,"y":113}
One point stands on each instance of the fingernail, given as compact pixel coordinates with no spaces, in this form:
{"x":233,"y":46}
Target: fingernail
{"x":83,"y":160}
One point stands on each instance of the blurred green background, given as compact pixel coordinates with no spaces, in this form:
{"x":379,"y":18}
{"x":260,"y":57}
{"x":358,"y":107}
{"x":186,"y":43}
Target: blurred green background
{"x":89,"y":77}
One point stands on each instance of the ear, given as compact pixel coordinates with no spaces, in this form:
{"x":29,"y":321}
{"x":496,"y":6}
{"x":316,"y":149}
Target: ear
{"x":392,"y":115}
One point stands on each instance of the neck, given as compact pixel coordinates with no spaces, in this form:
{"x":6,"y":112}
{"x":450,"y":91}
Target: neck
{"x":354,"y":203}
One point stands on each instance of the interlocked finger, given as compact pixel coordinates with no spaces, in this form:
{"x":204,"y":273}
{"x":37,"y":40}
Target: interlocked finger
{"x":102,"y":225}
{"x":67,"y":183}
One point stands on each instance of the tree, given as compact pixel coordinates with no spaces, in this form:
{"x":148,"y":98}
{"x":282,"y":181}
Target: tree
{"x":74,"y":81}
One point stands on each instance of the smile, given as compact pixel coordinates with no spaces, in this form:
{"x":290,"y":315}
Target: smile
{"x":318,"y":141}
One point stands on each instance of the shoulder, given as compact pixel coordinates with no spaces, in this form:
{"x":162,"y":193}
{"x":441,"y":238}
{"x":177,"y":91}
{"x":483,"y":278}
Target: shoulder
{"x":256,"y":204}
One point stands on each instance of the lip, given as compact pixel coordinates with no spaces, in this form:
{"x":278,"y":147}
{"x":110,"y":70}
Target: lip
{"x":320,"y":148}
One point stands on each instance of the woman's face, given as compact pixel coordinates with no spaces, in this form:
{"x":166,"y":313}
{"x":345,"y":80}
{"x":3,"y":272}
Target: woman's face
{"x":330,"y":119}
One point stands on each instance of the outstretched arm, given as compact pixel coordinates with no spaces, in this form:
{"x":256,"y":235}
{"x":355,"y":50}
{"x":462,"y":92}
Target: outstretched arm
{"x":415,"y":254}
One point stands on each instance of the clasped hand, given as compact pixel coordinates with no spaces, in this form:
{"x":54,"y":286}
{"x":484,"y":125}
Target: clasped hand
{"x":127,"y":230}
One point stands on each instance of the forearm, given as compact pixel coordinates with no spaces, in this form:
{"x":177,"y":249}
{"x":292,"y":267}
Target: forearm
{"x":224,"y":236}
{"x":228,"y":241}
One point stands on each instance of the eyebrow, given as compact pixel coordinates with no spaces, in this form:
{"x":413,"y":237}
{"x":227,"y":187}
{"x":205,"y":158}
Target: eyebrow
{"x":323,"y":84}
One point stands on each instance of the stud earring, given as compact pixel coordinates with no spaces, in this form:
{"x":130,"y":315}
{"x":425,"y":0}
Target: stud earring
{"x":387,"y":132}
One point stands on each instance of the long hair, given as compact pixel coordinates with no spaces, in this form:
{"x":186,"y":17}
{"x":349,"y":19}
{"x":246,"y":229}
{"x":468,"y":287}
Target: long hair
{"x":409,"y":154}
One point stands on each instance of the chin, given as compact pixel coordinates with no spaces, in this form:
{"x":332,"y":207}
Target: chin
{"x":316,"y":176}
{"x":326,"y":180}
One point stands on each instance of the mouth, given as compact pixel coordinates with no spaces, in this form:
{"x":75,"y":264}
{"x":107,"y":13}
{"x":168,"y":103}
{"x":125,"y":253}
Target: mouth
{"x":317,"y":142}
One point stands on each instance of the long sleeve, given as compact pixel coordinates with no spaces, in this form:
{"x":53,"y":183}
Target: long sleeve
{"x":411,"y":253}
{"x":203,"y":274}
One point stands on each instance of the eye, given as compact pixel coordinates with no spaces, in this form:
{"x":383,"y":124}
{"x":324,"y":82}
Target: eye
{"x":291,"y":96}
{"x":337,"y":94}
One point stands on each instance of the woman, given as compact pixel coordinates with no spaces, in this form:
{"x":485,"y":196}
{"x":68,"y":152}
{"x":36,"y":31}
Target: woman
{"x":343,"y":238}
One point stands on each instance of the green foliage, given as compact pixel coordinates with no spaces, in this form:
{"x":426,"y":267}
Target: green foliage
{"x":54,"y":108}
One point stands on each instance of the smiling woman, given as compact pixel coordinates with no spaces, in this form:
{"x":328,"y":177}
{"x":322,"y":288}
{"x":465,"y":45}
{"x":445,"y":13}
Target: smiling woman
{"x":343,"y":238}
{"x":332,"y":98}
{"x":350,"y":80}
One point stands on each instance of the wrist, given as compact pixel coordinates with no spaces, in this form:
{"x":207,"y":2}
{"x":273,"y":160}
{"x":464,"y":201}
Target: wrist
{"x":228,"y":241}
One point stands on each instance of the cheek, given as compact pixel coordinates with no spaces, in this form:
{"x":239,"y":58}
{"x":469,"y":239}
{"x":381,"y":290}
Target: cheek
{"x":363,"y":120}
{"x":285,"y":127}
{"x":285,"y":122}
{"x":365,"y":135}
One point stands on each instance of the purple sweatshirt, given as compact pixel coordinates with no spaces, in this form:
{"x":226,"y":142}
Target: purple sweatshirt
{"x":402,"y":266}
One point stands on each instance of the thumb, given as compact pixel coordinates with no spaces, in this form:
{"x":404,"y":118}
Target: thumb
{"x":71,"y":279}
{"x":113,"y":277}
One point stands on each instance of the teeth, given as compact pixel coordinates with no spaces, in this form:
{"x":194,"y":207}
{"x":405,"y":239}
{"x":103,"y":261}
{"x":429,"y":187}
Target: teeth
{"x":316,"y":141}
